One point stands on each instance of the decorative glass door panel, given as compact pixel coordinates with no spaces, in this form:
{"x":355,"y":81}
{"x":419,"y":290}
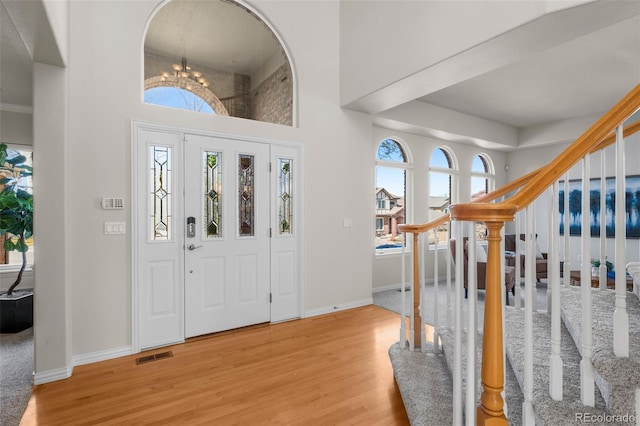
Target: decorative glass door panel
{"x":212,"y":194}
{"x":285,"y":196}
{"x":245,"y":195}
{"x":160,"y":175}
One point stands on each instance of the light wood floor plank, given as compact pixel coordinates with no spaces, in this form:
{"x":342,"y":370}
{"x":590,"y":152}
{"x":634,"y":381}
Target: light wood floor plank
{"x":331,"y":369}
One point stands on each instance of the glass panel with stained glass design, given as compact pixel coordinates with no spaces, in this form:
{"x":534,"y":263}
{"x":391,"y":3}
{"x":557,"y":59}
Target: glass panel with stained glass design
{"x":212,"y":194}
{"x":285,"y":196}
{"x":246,"y":189}
{"x":160,"y":176}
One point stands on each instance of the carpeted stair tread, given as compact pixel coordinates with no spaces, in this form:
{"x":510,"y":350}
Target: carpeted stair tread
{"x":425,"y":385}
{"x":547,"y":411}
{"x":512,"y":394}
{"x":617,"y":378}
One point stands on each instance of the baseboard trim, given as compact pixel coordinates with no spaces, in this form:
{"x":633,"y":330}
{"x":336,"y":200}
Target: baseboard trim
{"x":92,"y":357}
{"x":52,"y":375}
{"x":336,"y":308}
{"x":398,"y":286}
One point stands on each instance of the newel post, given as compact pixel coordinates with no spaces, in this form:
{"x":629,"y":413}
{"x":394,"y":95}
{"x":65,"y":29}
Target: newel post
{"x":491,"y":408}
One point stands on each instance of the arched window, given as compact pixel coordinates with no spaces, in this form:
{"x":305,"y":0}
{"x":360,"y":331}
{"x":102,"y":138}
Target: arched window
{"x":482,"y":175}
{"x":482,"y":182}
{"x":192,"y":50}
{"x":442,"y":188}
{"x":391,"y":195}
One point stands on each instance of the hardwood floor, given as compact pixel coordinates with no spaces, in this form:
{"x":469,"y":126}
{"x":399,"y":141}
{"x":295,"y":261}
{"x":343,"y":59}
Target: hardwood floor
{"x":331,"y":369}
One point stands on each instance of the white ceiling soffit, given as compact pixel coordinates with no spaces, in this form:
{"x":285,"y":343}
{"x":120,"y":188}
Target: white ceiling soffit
{"x":215,"y":34}
{"x":584,"y":76}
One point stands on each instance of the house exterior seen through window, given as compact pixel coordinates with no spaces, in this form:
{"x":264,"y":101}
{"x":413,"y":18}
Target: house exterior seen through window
{"x":391,"y":183}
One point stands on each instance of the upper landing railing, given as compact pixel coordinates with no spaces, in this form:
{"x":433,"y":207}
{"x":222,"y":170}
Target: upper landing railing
{"x":606,"y":131}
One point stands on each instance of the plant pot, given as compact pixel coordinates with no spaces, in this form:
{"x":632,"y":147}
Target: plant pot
{"x":16,"y":311}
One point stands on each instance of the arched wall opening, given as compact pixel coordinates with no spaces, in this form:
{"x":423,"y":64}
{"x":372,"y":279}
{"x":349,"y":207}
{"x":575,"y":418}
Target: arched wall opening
{"x":226,"y":54}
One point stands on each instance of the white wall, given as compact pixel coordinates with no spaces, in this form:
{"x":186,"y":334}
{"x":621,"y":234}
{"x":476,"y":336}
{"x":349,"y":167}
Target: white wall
{"x":105,"y":94}
{"x":16,"y":128}
{"x":397,"y":38}
{"x":387,"y":267}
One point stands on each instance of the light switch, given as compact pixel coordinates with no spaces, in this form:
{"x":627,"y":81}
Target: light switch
{"x":348,"y":222}
{"x":115,"y":228}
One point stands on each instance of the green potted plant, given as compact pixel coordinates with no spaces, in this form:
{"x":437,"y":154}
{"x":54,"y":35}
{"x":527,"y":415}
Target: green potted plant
{"x":16,"y":225}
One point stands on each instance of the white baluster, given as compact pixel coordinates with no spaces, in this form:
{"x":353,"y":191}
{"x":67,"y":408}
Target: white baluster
{"x":472,"y":288}
{"x":566,"y":273}
{"x":412,"y":342}
{"x":530,"y":257}
{"x":423,"y":295}
{"x":553,"y":279}
{"x":449,"y":313}
{"x":518,"y":263}
{"x":620,"y":315}
{"x":551,"y":231}
{"x":528,"y":417}
{"x":587,"y":389}
{"x":457,"y":352}
{"x":603,"y":222}
{"x":402,"y":342}
{"x":436,"y":338}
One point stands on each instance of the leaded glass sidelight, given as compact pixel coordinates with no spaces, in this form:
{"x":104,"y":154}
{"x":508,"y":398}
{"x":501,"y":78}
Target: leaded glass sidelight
{"x":212,"y":194}
{"x":246,"y":195}
{"x":160,"y":195}
{"x":285,"y":209}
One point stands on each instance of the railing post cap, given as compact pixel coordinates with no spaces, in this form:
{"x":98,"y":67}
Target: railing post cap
{"x":482,"y":212}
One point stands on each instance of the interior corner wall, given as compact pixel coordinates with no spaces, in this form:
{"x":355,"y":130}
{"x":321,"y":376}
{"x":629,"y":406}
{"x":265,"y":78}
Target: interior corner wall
{"x":52,"y":308}
{"x":387,"y":267}
{"x":16,"y":128}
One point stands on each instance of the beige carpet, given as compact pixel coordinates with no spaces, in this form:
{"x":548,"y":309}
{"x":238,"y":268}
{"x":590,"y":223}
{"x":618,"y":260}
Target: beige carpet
{"x":16,"y":375}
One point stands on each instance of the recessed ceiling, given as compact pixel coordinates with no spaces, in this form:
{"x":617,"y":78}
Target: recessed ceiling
{"x":585,"y":76}
{"x":216,"y":34}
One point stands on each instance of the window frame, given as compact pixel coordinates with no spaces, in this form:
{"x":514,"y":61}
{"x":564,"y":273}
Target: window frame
{"x":407,"y":167}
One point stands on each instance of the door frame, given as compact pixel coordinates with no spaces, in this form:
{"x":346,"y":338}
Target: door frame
{"x":137,"y":205}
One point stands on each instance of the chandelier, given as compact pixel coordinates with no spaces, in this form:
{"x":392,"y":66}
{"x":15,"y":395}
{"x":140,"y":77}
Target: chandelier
{"x":183,"y":70}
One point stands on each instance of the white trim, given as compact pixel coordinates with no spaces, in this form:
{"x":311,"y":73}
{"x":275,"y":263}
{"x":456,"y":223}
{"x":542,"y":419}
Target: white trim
{"x":336,"y":308}
{"x":52,"y":375}
{"x":101,"y":355}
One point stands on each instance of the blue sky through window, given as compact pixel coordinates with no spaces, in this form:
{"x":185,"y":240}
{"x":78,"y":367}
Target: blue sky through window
{"x":176,"y":98}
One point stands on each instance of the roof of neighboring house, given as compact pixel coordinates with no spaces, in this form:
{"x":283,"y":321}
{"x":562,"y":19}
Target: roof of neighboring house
{"x":438,"y":203}
{"x":388,"y":194}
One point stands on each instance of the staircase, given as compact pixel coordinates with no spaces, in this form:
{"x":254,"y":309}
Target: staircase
{"x":424,"y":378}
{"x":579,"y":363}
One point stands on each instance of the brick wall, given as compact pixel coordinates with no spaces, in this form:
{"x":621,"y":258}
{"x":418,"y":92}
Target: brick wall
{"x":272,"y":101}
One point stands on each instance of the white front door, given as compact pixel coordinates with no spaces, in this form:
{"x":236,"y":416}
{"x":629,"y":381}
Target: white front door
{"x":226,"y":213}
{"x":204,"y":208}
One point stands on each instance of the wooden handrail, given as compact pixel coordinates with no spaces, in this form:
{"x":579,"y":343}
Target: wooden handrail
{"x":513,"y":185}
{"x":585,"y":144}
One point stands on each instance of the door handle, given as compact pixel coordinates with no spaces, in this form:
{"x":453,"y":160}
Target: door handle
{"x":192,"y":247}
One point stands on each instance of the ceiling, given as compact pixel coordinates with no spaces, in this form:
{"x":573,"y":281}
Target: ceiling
{"x":581,"y":77}
{"x":584,"y":76}
{"x":215,"y":34}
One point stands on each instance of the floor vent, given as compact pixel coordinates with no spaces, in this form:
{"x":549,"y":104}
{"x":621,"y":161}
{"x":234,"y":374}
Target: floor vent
{"x":154,"y":357}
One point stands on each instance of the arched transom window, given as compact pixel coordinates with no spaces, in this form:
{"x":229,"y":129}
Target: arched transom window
{"x":218,"y":57}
